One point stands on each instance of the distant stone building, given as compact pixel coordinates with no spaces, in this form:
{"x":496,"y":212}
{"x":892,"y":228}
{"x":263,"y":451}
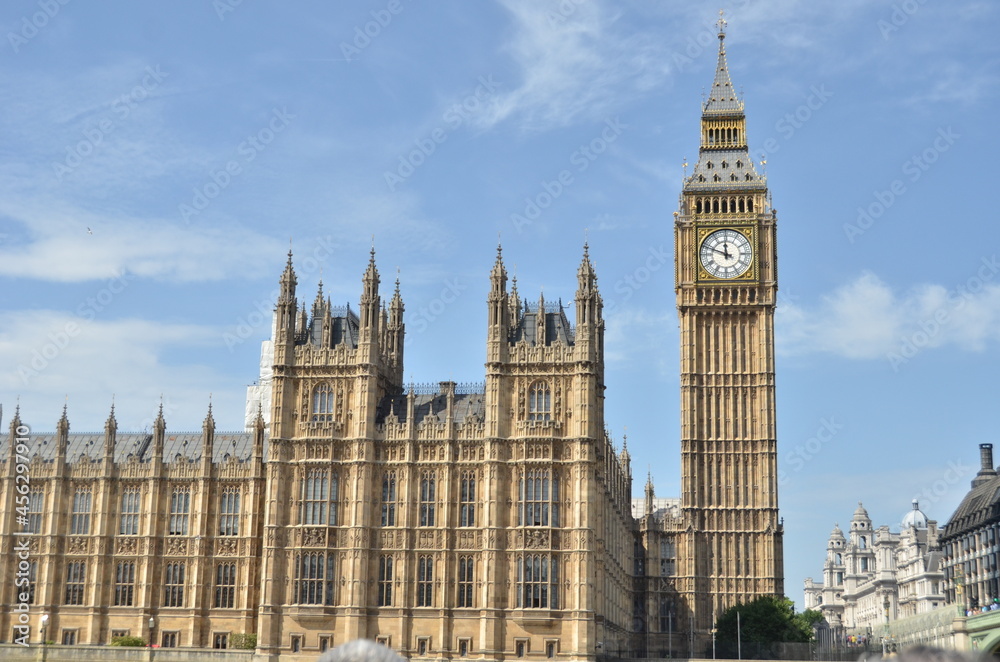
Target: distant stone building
{"x":874,"y":576}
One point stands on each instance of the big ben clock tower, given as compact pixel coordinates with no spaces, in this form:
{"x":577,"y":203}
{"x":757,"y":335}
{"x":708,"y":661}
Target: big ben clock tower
{"x":726,"y":284}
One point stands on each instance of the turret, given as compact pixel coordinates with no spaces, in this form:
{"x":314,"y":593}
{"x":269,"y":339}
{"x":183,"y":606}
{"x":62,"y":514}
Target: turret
{"x":110,"y":432}
{"x":396,"y":330}
{"x":370,"y":302}
{"x":499,"y":314}
{"x":159,"y":437}
{"x":62,"y":440}
{"x":589,"y":306}
{"x":207,"y":440}
{"x":284,"y":311}
{"x":650,"y":495}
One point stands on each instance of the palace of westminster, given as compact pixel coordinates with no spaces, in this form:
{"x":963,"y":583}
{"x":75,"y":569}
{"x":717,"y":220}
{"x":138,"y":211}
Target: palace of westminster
{"x":490,"y":521}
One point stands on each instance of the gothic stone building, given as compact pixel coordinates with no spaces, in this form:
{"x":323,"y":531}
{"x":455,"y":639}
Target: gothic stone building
{"x":487,"y":522}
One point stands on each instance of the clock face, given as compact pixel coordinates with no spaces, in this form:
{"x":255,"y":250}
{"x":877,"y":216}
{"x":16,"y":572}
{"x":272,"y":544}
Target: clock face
{"x":726,"y":254}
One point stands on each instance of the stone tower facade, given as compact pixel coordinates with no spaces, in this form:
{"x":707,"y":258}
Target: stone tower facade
{"x":726,"y":287}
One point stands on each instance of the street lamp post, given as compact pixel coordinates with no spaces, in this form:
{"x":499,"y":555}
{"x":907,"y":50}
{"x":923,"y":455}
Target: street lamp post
{"x":44,"y":621}
{"x":885,"y":638}
{"x":152,"y":625}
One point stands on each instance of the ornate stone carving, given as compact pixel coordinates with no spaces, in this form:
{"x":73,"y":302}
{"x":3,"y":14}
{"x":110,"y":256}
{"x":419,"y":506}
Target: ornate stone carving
{"x":313,"y":537}
{"x":177,"y":547}
{"x":78,"y":545}
{"x":226,"y":547}
{"x":125,"y":546}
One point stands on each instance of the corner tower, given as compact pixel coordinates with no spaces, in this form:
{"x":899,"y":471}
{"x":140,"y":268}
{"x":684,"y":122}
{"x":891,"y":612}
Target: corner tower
{"x":726,"y":286}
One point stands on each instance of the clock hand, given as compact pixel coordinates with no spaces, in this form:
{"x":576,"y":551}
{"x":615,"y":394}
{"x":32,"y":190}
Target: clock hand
{"x":722,"y":253}
{"x":725,"y":247}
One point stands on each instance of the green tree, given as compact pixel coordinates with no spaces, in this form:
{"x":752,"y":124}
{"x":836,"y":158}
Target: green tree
{"x":128,"y":641}
{"x":763,"y":621}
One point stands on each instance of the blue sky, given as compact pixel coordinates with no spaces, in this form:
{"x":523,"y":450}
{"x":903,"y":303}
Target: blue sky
{"x":158,"y":158}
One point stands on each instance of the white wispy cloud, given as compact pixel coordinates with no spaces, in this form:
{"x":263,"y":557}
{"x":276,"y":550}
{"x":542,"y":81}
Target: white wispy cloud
{"x":63,"y":243}
{"x":56,"y":355}
{"x":866,"y":319}
{"x":573,"y":63}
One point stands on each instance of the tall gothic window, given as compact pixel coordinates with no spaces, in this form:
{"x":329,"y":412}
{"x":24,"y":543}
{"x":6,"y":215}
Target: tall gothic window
{"x":229,"y":511}
{"x":385,"y":581}
{"x":539,"y":496}
{"x":668,"y":558}
{"x":467,"y":499}
{"x":466,"y":576}
{"x":389,"y":499}
{"x":80,"y":521}
{"x":173,"y":585}
{"x":314,"y":578}
{"x":539,"y":402}
{"x":180,"y":507}
{"x":319,"y":498}
{"x":427,"y":484}
{"x":76,"y":581}
{"x":36,"y":506}
{"x":129,"y":513}
{"x":425,"y":581}
{"x":322,"y":403}
{"x":124,"y":583}
{"x":225,"y":585}
{"x":537,"y":581}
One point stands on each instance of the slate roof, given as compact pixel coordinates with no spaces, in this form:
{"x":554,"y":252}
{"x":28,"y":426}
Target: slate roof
{"x":432,"y":405}
{"x":716,"y":169}
{"x":979,"y":507}
{"x":722,"y":98}
{"x":178,"y":446}
{"x":557,"y":326}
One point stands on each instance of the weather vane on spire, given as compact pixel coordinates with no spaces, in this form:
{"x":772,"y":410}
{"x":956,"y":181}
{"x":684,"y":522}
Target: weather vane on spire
{"x":721,"y":23}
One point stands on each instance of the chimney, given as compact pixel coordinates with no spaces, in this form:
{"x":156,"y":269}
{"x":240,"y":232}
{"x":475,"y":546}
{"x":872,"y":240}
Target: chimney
{"x":986,"y":471}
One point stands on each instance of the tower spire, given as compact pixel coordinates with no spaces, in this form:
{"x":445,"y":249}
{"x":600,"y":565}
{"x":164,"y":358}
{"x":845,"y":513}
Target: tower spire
{"x":722,"y":98}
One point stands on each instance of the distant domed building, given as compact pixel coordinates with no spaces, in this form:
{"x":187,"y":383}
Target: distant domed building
{"x":875,"y":575}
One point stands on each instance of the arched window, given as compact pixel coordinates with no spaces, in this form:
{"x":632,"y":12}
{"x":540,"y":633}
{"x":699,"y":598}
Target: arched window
{"x":466,"y":570}
{"x":389,"y":499}
{"x":425,"y":581}
{"x":322,"y":403}
{"x":427,"y":499}
{"x":385,"y":581}
{"x":537,"y":581}
{"x":467,"y":499}
{"x":539,"y":499}
{"x":319,"y":498}
{"x":539,"y":402}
